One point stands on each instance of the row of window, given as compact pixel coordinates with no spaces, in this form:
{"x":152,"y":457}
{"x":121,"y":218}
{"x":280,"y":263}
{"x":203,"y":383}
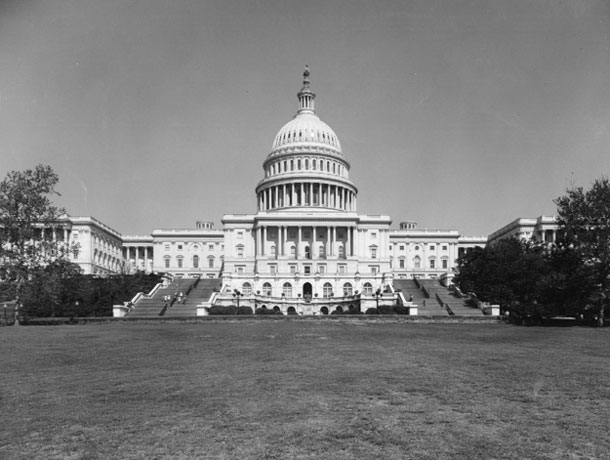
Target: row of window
{"x":327,"y":289}
{"x":305,"y":134}
{"x":195,"y":247}
{"x":431,"y":247}
{"x":431,"y":262}
{"x":306,"y":165}
{"x":195,"y":261}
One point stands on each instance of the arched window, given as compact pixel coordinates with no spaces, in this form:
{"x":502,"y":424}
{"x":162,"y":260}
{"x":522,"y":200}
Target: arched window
{"x":347,"y":289}
{"x":180,"y":261}
{"x":401,"y":262}
{"x":307,"y":252}
{"x":273,"y":250}
{"x":313,"y":164}
{"x":246,"y":289}
{"x":416,"y":262}
{"x":367,"y":288}
{"x":287,"y":290}
{"x":293,"y":252}
{"x":432,"y":262}
{"x":267,"y":289}
{"x":322,"y":251}
{"x":327,"y":290}
{"x":373,"y":251}
{"x":210,"y":261}
{"x":166,"y":259}
{"x":341,"y":251}
{"x":195,"y":261}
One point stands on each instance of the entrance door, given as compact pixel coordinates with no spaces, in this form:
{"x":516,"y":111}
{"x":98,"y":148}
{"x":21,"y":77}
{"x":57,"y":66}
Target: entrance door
{"x":307,"y":291}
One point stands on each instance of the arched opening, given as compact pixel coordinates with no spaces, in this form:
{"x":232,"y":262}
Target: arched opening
{"x":338,"y":310}
{"x":324,"y":311}
{"x":291,"y":311}
{"x":267,"y":289}
{"x":347,"y":289}
{"x":307,"y":291}
{"x":287,"y":290}
{"x":277,"y":309}
{"x":367,"y":289}
{"x":327,"y":290}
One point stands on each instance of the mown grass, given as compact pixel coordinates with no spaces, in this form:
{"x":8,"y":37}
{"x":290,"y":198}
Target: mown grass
{"x":304,"y":390}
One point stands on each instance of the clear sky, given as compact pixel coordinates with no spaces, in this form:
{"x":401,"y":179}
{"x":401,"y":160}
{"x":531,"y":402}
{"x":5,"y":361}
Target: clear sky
{"x":454,"y":114}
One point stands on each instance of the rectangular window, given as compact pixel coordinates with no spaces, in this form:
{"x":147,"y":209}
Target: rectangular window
{"x":444,"y":263}
{"x":239,"y":268}
{"x":444,"y":248}
{"x":179,"y":247}
{"x":179,"y":262}
{"x":210,"y":247}
{"x":341,"y":269}
{"x":401,"y":263}
{"x":322,"y":269}
{"x":431,"y":247}
{"x":273,"y":269}
{"x":293,"y":268}
{"x":374,"y":269}
{"x":402,"y":247}
{"x":373,"y":253}
{"x":307,"y":269}
{"x":432,"y":263}
{"x":240,"y":234}
{"x":167,"y":262}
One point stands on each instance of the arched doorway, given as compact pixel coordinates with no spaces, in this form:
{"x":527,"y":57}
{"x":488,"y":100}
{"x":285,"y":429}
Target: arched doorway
{"x":307,"y":291}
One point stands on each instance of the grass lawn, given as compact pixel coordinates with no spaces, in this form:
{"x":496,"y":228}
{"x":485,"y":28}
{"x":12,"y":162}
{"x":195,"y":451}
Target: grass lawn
{"x":304,"y":390}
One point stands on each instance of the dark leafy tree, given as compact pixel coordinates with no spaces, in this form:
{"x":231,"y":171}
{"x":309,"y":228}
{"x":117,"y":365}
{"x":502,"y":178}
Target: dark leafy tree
{"x":584,"y":240}
{"x":507,"y":273}
{"x":27,"y":221}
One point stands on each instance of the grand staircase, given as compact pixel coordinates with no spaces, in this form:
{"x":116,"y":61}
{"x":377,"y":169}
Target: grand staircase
{"x":200,"y":293}
{"x":448,"y":300}
{"x":154,"y":306}
{"x":426,"y":306}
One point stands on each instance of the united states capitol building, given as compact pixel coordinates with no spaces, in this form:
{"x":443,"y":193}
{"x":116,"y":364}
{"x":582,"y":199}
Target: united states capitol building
{"x":305,"y":240}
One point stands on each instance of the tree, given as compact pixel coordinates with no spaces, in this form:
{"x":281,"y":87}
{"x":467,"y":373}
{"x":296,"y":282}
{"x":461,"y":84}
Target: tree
{"x":507,"y":273}
{"x":583,"y":217}
{"x":27,"y":221}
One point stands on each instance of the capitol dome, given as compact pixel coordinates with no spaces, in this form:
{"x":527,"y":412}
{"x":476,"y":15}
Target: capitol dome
{"x":306,"y":167}
{"x":306,"y":129}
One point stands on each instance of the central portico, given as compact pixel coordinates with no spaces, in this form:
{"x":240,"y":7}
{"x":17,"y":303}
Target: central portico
{"x":306,"y":248}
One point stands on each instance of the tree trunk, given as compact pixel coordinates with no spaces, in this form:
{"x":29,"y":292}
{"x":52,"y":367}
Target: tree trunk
{"x":602,"y":311}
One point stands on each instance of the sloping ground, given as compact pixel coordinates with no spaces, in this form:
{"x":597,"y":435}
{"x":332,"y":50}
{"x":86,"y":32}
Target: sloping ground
{"x":460,"y":306}
{"x":152,"y":306}
{"x":199,"y":294}
{"x":425,"y":305}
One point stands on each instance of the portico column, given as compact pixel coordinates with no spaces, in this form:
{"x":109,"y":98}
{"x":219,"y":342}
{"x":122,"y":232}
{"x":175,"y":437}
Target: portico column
{"x":313,"y":241}
{"x":327,"y":244}
{"x":348,"y":249}
{"x":264,"y":240}
{"x":356,"y":241}
{"x":334,"y":240}
{"x":299,"y":241}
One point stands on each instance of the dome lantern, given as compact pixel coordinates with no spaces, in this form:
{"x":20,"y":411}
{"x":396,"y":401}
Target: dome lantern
{"x":306,"y":96}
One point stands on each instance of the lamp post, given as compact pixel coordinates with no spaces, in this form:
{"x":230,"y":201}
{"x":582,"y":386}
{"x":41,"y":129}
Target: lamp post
{"x":237,"y":295}
{"x":377,"y":295}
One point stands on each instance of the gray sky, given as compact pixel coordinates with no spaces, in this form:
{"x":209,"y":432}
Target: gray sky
{"x":455,"y":114}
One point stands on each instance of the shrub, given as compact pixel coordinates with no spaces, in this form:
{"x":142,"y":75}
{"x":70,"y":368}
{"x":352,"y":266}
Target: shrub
{"x":386,"y":309}
{"x":371,"y":311}
{"x":245,"y":311}
{"x":400,"y":310}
